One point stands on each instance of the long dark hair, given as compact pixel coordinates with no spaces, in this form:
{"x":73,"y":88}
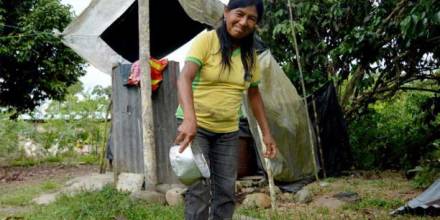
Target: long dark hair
{"x":246,"y":43}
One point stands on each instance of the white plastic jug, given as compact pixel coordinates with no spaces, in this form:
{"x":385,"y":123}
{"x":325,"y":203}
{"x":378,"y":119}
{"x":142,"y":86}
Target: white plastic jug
{"x":187,"y":166}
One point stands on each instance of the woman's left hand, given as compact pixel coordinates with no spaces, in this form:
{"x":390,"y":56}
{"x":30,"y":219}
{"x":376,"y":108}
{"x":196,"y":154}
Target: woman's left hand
{"x":271,"y":146}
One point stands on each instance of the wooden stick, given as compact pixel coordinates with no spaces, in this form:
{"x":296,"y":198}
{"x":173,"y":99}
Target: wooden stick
{"x":150,"y":168}
{"x":105,"y":140}
{"x":269,"y":172}
{"x":298,"y":59}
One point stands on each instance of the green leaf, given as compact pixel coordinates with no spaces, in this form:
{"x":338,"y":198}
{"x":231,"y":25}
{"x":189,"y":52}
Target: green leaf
{"x":436,"y":18}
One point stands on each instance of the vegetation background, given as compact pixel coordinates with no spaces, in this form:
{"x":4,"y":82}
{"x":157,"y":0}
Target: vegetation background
{"x":383,"y":58}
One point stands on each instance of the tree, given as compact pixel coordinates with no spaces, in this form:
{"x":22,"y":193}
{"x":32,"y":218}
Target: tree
{"x":80,"y":117}
{"x":369,"y":49}
{"x":34,"y":64}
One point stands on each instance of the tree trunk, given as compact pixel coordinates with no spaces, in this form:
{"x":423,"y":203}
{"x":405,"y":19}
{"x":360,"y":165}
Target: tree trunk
{"x":349,"y":90}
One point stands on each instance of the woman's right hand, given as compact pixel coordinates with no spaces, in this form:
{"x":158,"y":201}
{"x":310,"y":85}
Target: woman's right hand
{"x":187,"y":131}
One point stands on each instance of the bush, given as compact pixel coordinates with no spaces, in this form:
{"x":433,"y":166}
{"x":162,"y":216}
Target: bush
{"x":430,"y":169}
{"x":392,"y":134}
{"x":67,"y":125}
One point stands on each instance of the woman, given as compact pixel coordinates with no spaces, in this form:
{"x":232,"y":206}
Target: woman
{"x":219,"y":67}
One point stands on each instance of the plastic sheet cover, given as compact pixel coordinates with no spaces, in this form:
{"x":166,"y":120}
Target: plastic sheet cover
{"x":204,"y":11}
{"x":287,"y":119}
{"x":427,"y":203}
{"x":83,"y":34}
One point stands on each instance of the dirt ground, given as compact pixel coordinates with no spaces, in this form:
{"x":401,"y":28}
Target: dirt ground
{"x":14,"y":179}
{"x":13,"y":176}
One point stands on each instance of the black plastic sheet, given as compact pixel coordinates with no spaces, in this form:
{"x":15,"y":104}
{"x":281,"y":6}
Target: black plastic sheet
{"x":334,"y":142}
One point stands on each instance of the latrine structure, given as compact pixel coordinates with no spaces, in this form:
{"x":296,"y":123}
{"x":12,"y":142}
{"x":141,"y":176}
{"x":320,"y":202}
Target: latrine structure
{"x":126,"y":132}
{"x":106,"y":35}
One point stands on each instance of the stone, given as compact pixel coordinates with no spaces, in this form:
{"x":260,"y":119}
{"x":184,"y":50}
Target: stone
{"x":246,"y":183}
{"x":287,"y":196}
{"x":45,"y":199}
{"x":93,"y":182}
{"x":349,"y":197}
{"x":252,"y":181}
{"x":329,"y":202}
{"x":324,"y":184}
{"x":174,"y":197}
{"x":248,"y":190}
{"x":149,"y":197}
{"x":257,"y":200}
{"x":303,"y":196}
{"x":130,"y":182}
{"x":163,"y":188}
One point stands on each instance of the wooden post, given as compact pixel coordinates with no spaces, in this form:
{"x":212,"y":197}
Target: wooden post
{"x":149,"y":149}
{"x":298,"y":59}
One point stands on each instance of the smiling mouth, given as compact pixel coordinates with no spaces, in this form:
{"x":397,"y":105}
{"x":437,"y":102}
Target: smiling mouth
{"x":239,"y":30}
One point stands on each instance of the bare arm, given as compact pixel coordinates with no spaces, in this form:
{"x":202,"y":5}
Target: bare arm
{"x":257,"y":107}
{"x":187,"y":130}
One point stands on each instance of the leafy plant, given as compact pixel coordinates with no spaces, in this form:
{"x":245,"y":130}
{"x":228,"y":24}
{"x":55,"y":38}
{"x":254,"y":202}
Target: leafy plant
{"x":369,"y":49}
{"x":73,"y":124}
{"x":397,"y":133}
{"x":34,"y":64}
{"x":430,"y":168}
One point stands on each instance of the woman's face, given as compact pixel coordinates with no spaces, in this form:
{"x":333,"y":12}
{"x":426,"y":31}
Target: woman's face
{"x":240,"y":22}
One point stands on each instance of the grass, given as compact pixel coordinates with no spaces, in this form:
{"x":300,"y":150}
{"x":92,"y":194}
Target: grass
{"x":23,"y":195}
{"x":105,"y":204}
{"x":375,"y":203}
{"x":24,"y":162}
{"x":378,"y":196}
{"x":66,"y":158}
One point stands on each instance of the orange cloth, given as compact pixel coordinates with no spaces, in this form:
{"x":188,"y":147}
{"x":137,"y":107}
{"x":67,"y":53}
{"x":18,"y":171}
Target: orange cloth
{"x":157,"y":67}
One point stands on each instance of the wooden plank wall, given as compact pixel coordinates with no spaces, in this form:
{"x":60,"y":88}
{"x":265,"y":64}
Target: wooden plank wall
{"x":126,"y":114}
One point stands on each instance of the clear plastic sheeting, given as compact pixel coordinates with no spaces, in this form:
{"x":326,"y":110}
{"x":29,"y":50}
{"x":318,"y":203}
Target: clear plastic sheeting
{"x":287,"y":119}
{"x":83,"y":34}
{"x":204,"y":11}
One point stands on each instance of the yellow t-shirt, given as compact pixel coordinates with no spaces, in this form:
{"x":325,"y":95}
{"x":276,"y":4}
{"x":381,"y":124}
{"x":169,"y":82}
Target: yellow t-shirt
{"x":217,"y":91}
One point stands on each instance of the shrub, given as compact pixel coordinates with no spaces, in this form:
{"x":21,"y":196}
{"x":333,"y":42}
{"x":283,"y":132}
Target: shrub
{"x":392,"y":134}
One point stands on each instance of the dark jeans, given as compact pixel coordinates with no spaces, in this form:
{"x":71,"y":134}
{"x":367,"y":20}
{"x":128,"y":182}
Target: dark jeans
{"x":214,"y":197}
